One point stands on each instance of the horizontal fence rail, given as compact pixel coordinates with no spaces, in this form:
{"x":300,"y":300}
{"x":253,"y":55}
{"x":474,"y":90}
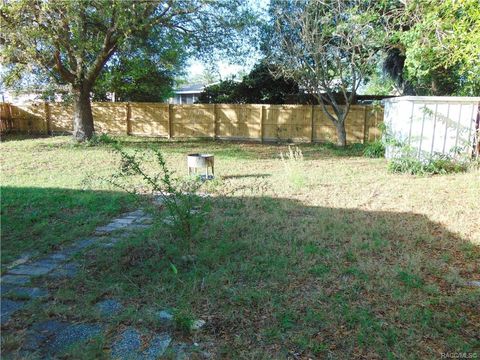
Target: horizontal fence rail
{"x":296,"y":123}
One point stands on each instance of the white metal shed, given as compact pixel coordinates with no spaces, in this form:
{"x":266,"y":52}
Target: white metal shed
{"x":432,"y":125}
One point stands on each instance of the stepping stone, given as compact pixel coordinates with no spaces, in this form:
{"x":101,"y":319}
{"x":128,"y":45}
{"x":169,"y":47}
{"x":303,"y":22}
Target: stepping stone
{"x":145,"y":220}
{"x":165,"y":316}
{"x":103,"y":230}
{"x":128,"y":345}
{"x":21,"y":260}
{"x":23,"y":292}
{"x":67,"y":270}
{"x":52,"y":336}
{"x":475,"y":283}
{"x":123,"y":221}
{"x":70,"y":335}
{"x":109,"y":307}
{"x":110,"y":243}
{"x":41,"y":332}
{"x":157,"y":347}
{"x":15,"y":279}
{"x":118,"y":225}
{"x":85,"y":243}
{"x":34,"y":269}
{"x":8,"y":308}
{"x":137,"y":213}
{"x":70,"y":251}
{"x":59,"y":256}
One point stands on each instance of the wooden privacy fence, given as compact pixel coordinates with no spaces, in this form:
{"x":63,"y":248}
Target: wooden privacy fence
{"x":299,"y":123}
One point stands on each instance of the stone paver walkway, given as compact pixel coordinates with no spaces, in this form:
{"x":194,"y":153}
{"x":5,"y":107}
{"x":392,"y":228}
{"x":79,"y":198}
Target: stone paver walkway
{"x":49,"y":338}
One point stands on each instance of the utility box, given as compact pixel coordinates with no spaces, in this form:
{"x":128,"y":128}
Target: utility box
{"x":430,"y":126}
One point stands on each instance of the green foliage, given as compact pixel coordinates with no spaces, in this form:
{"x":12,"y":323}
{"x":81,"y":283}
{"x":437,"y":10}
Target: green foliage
{"x":143,"y":70}
{"x":435,"y":166}
{"x":441,"y":42}
{"x":260,"y":86}
{"x":328,"y":48}
{"x":71,"y":42}
{"x":100,"y":139}
{"x":178,"y":195}
{"x":183,"y":321}
{"x":375,"y":149}
{"x":225,"y":92}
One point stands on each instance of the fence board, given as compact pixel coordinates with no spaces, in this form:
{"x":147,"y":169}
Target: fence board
{"x":149,"y":119}
{"x":301,"y":123}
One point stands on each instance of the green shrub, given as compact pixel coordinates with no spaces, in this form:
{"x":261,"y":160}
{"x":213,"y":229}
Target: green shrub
{"x":375,"y":149}
{"x":102,"y":139}
{"x":413,"y":166}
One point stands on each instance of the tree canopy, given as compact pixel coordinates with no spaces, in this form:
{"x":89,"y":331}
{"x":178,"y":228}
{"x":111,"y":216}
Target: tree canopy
{"x":260,"y":86}
{"x":72,"y":41}
{"x":441,"y":46}
{"x":327,"y":47}
{"x":144,"y":70}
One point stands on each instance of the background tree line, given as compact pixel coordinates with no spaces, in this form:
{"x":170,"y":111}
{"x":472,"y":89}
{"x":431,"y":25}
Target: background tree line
{"x":328,"y":49}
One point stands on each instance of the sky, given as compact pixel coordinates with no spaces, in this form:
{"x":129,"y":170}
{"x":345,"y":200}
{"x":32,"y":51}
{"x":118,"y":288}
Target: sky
{"x":196,"y":68}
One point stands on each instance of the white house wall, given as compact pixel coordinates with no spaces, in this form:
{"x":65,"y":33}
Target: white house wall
{"x":431,"y":125}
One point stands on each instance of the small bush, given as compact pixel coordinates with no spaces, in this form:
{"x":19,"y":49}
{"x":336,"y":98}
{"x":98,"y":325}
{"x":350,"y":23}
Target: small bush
{"x":179,"y":196}
{"x":434,"y":166}
{"x":375,"y":149}
{"x":183,"y":321}
{"x":102,"y":139}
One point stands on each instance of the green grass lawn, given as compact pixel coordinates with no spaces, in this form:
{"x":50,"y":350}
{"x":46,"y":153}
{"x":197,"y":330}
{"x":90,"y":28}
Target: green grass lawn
{"x":329,"y":256}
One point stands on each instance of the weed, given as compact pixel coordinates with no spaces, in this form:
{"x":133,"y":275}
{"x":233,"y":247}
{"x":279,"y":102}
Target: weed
{"x":183,"y":321}
{"x":177,"y":195}
{"x":440,"y":165}
{"x":293,"y":165}
{"x":375,"y":149}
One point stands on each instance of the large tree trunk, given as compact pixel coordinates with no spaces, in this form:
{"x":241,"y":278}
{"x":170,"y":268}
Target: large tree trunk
{"x":82,"y":114}
{"x":341,"y":133}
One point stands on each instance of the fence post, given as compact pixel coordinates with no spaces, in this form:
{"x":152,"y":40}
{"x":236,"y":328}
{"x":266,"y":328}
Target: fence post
{"x":129,"y":114}
{"x":47,"y":118}
{"x":366,"y":126}
{"x":215,"y":122}
{"x":312,"y":129}
{"x":170,"y":120}
{"x":262,"y":120}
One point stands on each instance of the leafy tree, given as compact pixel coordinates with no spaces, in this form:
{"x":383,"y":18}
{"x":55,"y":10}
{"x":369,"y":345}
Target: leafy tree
{"x":260,"y":86}
{"x":143,"y":71}
{"x":224,"y":92}
{"x":329,"y":47}
{"x":442,"y":46}
{"x":72,"y":41}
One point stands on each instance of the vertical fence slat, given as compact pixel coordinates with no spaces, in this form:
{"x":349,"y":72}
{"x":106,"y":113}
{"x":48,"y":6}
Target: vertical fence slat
{"x":249,"y":122}
{"x":170,"y":120}
{"x":128,"y":118}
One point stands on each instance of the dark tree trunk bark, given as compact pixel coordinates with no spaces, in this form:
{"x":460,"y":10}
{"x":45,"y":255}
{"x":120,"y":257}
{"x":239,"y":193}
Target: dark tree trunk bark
{"x":341,"y":133}
{"x":83,"y":128}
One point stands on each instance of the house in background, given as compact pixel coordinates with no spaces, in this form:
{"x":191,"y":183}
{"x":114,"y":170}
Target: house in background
{"x":187,"y":94}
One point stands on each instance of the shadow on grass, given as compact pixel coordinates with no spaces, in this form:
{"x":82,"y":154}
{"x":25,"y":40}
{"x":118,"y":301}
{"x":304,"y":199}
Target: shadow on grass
{"x":274,"y":277}
{"x":13,"y":136}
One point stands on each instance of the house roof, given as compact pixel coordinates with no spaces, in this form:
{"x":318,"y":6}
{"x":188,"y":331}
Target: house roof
{"x":190,"y":89}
